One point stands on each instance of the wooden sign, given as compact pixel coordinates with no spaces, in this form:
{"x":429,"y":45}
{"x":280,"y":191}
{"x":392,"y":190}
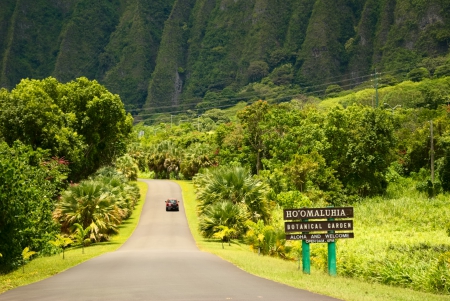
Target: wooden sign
{"x":319,"y":236}
{"x":318,"y":226}
{"x":318,"y":213}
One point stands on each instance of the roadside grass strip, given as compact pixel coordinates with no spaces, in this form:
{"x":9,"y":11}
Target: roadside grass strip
{"x":44,"y":267}
{"x":290,"y":273}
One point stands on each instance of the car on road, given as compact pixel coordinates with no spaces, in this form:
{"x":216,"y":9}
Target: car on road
{"x":172,"y":205}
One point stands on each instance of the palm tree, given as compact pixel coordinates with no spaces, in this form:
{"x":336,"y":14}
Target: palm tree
{"x":128,"y":167}
{"x":224,"y":233}
{"x":197,"y":156}
{"x":164,"y":159}
{"x":61,"y":242}
{"x":267,"y":239}
{"x":234,"y":184}
{"x":90,"y":206}
{"x":223,"y":214}
{"x":80,"y":235}
{"x":125,"y":194}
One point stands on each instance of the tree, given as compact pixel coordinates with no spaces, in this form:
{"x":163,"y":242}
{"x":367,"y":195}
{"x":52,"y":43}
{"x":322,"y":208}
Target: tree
{"x":333,"y":90}
{"x":80,"y":235}
{"x":26,"y":201}
{"x":31,"y":113}
{"x":252,"y":119}
{"x":196,"y":156}
{"x":282,"y":75}
{"x":125,"y":194}
{"x":80,"y":121}
{"x":229,"y":140}
{"x":293,"y":199}
{"x":257,"y":70}
{"x":235,"y":185}
{"x":61,"y":242}
{"x":223,"y":214}
{"x":310,"y":174}
{"x":89,"y":205}
{"x":164,"y":159}
{"x":443,"y":163}
{"x":126,"y":166}
{"x":224,"y":233}
{"x":101,"y":120}
{"x":360,"y":139}
{"x":218,"y":116}
{"x":299,"y":169}
{"x":418,"y":74}
{"x":442,"y":71}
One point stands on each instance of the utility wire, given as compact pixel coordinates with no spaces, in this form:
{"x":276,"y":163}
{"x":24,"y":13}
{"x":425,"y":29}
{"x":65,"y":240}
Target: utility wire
{"x":192,"y":106}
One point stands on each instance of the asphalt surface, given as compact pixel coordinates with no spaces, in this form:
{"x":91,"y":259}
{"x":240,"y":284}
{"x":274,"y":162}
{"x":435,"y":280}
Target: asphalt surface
{"x":160,"y":261}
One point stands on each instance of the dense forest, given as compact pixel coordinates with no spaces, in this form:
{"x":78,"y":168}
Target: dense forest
{"x":169,"y":56}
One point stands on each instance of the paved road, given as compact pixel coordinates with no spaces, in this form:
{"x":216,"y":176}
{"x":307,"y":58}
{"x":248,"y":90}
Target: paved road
{"x":160,"y":261}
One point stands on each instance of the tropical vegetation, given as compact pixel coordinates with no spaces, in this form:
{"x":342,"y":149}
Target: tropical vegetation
{"x":307,"y":152}
{"x":99,"y":204}
{"x":52,"y":134}
{"x":41,"y":267}
{"x":394,"y":255}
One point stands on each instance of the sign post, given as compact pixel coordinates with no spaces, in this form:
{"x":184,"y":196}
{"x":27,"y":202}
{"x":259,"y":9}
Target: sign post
{"x":306,"y":257}
{"x":300,"y":223}
{"x":332,"y":271}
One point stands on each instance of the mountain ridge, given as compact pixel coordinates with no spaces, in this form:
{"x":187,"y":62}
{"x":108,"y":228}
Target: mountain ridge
{"x":171,"y":54}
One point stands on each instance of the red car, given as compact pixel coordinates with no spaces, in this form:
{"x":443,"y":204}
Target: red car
{"x":172,"y":205}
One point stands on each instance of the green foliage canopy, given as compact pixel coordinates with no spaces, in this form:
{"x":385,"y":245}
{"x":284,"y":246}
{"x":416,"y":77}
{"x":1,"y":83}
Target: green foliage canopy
{"x":26,"y":202}
{"x":79,"y":121}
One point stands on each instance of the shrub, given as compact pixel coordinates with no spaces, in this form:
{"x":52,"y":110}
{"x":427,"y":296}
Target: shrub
{"x":442,"y":71}
{"x":257,"y":70}
{"x":332,"y":90}
{"x":223,"y":214}
{"x":26,"y":202}
{"x":126,"y":166}
{"x":418,"y":74}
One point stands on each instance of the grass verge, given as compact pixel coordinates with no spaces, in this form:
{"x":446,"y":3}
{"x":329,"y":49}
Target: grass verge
{"x":44,"y":267}
{"x":288,"y":272}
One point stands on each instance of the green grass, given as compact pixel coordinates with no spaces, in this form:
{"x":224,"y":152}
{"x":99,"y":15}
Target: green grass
{"x":288,"y":272}
{"x":44,"y":267}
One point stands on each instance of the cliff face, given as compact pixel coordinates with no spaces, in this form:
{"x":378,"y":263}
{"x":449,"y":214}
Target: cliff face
{"x":165,"y":54}
{"x":114,"y":41}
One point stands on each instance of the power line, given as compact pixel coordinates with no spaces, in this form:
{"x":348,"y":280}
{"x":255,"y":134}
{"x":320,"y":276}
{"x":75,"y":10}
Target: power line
{"x":192,"y":106}
{"x":217,"y":102}
{"x":165,"y":115}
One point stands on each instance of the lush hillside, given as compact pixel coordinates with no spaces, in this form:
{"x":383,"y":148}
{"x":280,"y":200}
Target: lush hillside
{"x":390,"y":163}
{"x":169,"y":55}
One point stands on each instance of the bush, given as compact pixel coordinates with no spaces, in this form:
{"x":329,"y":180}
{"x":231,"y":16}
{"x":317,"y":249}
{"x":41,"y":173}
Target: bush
{"x":26,"y":202}
{"x":418,"y":74}
{"x":293,"y":199}
{"x":100,"y":203}
{"x":128,"y":167}
{"x":442,"y":71}
{"x":257,"y":70}
{"x":333,"y":90}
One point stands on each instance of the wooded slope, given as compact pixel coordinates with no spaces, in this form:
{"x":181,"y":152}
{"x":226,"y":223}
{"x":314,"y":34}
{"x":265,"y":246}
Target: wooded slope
{"x":161,"y":54}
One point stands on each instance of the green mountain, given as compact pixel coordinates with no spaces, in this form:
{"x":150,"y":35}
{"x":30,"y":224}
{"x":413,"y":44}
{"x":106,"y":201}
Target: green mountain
{"x":167,"y":55}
